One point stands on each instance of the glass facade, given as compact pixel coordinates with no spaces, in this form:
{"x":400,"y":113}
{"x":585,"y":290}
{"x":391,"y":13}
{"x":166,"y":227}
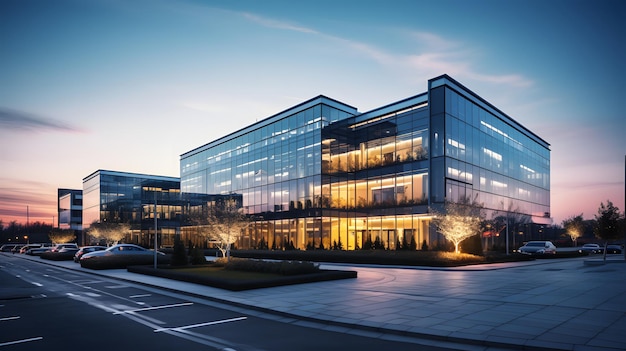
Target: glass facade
{"x":130,"y":198}
{"x":69,"y":209}
{"x":482,"y":153}
{"x":275,"y":165}
{"x":322,"y":175}
{"x":375,"y":178}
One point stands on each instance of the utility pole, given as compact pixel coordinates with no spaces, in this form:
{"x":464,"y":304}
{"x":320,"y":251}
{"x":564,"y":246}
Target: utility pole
{"x":27,"y":221}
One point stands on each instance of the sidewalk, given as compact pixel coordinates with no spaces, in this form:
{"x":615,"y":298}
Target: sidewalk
{"x":555,"y":304}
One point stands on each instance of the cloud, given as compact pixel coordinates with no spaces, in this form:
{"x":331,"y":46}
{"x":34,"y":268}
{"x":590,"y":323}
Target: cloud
{"x":271,"y":23}
{"x":433,"y":41}
{"x":18,"y":194}
{"x":22,"y":121}
{"x":455,"y":58}
{"x":516,"y":80}
{"x":204,"y":107}
{"x":587,"y":185}
{"x":432,"y":55}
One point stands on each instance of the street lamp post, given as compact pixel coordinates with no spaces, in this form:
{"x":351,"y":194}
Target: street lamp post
{"x":155,"y":230}
{"x":507,"y":233}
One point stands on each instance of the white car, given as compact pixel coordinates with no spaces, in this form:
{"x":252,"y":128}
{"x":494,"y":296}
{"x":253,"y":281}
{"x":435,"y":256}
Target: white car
{"x":590,"y":248}
{"x":538,"y":248}
{"x":58,"y":247}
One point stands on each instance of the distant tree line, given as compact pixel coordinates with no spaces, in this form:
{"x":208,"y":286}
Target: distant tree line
{"x":14,"y":232}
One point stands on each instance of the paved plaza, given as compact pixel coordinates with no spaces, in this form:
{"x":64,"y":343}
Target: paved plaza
{"x":549,"y":304}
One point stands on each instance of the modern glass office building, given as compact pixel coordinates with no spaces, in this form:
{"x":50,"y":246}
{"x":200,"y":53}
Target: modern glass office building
{"x":323,"y":175}
{"x":120,"y":197}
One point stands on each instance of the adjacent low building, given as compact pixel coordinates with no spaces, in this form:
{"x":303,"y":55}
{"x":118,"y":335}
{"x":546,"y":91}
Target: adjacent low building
{"x":131,"y":198}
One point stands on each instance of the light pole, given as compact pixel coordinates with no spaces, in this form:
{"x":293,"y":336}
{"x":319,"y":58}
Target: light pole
{"x":507,"y":228}
{"x":155,"y":229}
{"x":27,"y":220}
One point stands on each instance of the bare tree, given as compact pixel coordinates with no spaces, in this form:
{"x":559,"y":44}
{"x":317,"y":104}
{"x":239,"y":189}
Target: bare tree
{"x":574,"y":227}
{"x":111,"y":233}
{"x":460,"y":221}
{"x":223,"y":225}
{"x":60,"y":236}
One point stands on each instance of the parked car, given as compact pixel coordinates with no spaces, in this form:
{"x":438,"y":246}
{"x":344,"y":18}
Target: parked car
{"x":61,"y":254}
{"x":28,"y":246}
{"x":590,"y":249}
{"x":120,"y":256}
{"x":538,"y":248}
{"x":7,"y":247}
{"x":16,"y":248}
{"x":613,"y":249}
{"x":37,"y":251}
{"x":58,"y":247}
{"x":87,"y":249}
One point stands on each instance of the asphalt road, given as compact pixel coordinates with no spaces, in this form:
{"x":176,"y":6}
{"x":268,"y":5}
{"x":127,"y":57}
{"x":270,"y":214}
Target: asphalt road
{"x":50,"y":308}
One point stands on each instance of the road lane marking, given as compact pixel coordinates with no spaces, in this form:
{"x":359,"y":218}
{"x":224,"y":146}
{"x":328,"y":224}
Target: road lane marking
{"x":9,"y":318}
{"x":213,"y":342}
{"x":98,"y":290}
{"x":116,"y":286}
{"x":138,"y":296}
{"x":20,"y":341}
{"x":85,"y":281}
{"x":37,"y":284}
{"x":149,"y":319}
{"x":202,"y":324}
{"x":155,"y":308}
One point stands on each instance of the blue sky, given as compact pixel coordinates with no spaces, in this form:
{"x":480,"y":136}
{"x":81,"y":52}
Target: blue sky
{"x":131,"y":85}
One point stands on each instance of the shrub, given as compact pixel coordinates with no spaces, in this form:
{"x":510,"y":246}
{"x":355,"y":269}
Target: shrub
{"x":179,"y":256}
{"x":197,"y":256}
{"x":472,"y":245}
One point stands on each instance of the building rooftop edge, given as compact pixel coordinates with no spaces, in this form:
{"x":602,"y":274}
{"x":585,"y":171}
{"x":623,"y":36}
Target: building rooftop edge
{"x":151,"y":176}
{"x":320,"y":98}
{"x":481,"y":99}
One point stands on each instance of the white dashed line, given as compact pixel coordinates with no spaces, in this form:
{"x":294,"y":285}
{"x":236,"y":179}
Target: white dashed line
{"x":155,"y":308}
{"x":9,"y":318}
{"x":21,"y":341}
{"x":202,"y":324}
{"x":138,"y":296}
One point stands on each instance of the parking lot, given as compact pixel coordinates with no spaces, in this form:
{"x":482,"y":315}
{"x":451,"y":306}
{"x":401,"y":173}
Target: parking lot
{"x":561,"y":304}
